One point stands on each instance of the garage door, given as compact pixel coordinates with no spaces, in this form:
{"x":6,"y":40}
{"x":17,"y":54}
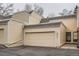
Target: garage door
{"x":40,"y":39}
{"x":1,"y":36}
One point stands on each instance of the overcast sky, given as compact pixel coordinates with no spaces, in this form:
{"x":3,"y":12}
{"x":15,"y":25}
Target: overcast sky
{"x":49,"y":7}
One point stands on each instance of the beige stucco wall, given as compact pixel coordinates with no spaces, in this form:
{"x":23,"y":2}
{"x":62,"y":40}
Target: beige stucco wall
{"x":21,"y":16}
{"x":27,"y":18}
{"x":62,"y":34}
{"x":70,"y":23}
{"x":34,"y":18}
{"x":15,"y":34}
{"x":46,"y":28}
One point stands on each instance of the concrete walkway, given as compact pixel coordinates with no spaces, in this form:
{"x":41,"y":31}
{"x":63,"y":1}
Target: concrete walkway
{"x":69,"y":46}
{"x":38,"y":51}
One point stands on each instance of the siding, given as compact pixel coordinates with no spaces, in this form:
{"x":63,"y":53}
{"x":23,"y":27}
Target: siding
{"x":22,"y":17}
{"x":62,"y":35}
{"x":15,"y":33}
{"x":34,"y":18}
{"x":70,"y":23}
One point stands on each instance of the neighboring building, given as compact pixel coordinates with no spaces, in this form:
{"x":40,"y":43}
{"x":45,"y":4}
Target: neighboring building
{"x":31,"y":29}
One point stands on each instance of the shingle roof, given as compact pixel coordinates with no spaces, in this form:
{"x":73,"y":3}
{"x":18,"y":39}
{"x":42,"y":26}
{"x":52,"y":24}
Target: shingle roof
{"x":4,"y":21}
{"x":5,"y":17}
{"x":55,"y":18}
{"x":55,"y":23}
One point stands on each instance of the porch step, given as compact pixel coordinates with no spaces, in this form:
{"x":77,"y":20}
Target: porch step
{"x":2,"y":46}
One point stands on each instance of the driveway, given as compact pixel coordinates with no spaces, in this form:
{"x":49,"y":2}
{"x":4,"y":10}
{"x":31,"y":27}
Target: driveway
{"x":38,"y":51}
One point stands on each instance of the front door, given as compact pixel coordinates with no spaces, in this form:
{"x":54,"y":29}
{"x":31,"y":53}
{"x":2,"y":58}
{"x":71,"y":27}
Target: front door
{"x":68,"y":36}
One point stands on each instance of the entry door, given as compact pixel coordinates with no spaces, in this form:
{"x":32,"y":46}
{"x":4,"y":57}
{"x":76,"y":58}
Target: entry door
{"x":68,"y":36}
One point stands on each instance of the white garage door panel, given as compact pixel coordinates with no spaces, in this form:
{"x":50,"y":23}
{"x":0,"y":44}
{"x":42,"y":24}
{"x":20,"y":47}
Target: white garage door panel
{"x":1,"y":36}
{"x":40,"y":39}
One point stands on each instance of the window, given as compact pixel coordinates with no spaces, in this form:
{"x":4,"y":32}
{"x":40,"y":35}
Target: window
{"x":75,"y":37}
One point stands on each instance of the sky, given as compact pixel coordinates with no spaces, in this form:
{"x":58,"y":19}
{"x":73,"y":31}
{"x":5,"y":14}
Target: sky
{"x":48,"y":7}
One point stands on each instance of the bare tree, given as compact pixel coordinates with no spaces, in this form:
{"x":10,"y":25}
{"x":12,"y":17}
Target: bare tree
{"x":6,"y":10}
{"x":28,"y":8}
{"x":38,"y":9}
{"x":75,"y":9}
{"x":65,"y":12}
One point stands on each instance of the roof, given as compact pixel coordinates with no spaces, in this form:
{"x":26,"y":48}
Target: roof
{"x":4,"y":21}
{"x":1,"y":17}
{"x":55,"y":18}
{"x":24,"y":12}
{"x":28,"y":12}
{"x":5,"y":17}
{"x":55,"y":23}
{"x":61,"y":17}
